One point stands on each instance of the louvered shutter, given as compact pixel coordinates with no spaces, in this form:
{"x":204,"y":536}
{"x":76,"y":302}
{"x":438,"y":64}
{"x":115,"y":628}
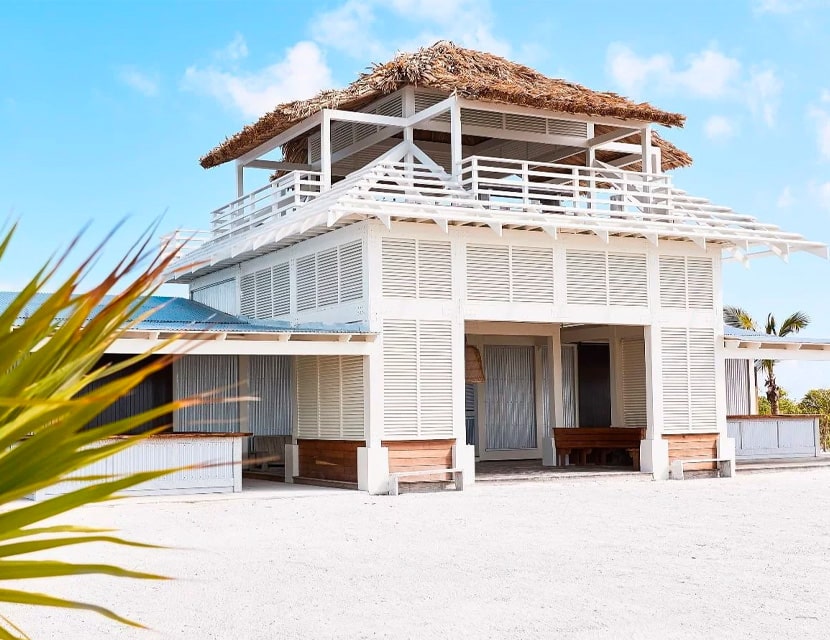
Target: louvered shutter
{"x":488,"y":273}
{"x":264,"y":294}
{"x":327,"y":277}
{"x":282,"y":289}
{"x":675,"y":361}
{"x":704,"y":415}
{"x":628,"y":279}
{"x":435,"y":396}
{"x":434,"y":272}
{"x":586,"y":277}
{"x":308,"y":419}
{"x":672,"y":282}
{"x":350,"y":262}
{"x":306,"y":283}
{"x":399,"y":257}
{"x":247,"y":296}
{"x":352,"y":398}
{"x":400,"y":378}
{"x":531,"y":274}
{"x":634,"y":382}
{"x":329,"y":396}
{"x":699,"y":272}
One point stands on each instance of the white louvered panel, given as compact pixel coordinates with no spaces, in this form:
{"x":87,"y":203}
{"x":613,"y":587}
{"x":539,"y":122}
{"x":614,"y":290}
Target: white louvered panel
{"x":435,"y":378}
{"x":434,"y":270}
{"x":280,"y":279}
{"x":634,"y":382}
{"x":675,"y":360}
{"x":314,"y":147}
{"x":350,"y":264}
{"x":488,"y":273}
{"x":308,"y":418}
{"x":628,"y":279}
{"x":328,"y":284}
{"x":352,"y":398}
{"x":247,"y":295}
{"x":306,"y":283}
{"x":481,"y":118}
{"x":672,"y":282}
{"x":329,"y":395}
{"x":219,"y":295}
{"x":586,"y":277}
{"x":557,"y":126}
{"x":400,"y":378}
{"x":390,"y":107}
{"x":363,"y":130}
{"x":398,"y":260}
{"x":700,"y":276}
{"x":342,"y":135}
{"x":704,"y":413}
{"x":264,"y":295}
{"x":531,"y":272}
{"x":531,"y":124}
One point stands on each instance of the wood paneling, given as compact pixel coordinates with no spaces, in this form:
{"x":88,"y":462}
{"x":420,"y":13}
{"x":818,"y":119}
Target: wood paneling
{"x":418,"y":455}
{"x":329,"y":459}
{"x":692,"y":446}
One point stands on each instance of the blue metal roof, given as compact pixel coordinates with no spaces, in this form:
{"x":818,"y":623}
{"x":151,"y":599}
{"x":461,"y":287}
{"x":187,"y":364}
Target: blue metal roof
{"x":734,"y":332}
{"x":181,"y":315}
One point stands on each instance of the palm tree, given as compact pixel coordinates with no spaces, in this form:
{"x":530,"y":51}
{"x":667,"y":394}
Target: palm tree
{"x":46,"y":360}
{"x":740,"y":319}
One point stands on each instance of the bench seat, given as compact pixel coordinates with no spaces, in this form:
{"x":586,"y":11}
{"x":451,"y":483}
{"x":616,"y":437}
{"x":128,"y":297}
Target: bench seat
{"x":581,"y":441}
{"x":394,"y":478}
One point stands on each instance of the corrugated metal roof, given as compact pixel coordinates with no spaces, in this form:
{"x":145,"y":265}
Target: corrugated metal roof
{"x":733,"y":333}
{"x":181,"y":315}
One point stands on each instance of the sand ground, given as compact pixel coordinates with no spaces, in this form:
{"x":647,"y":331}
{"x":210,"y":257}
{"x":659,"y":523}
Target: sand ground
{"x":600,"y":558}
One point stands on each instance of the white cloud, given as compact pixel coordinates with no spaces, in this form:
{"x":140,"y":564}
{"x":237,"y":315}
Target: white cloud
{"x":821,"y":117}
{"x":300,"y":74}
{"x":719,"y":128}
{"x":786,"y":198}
{"x":708,"y":74}
{"x":236,"y":49}
{"x":145,"y":83}
{"x":349,"y":28}
{"x":763,"y":91}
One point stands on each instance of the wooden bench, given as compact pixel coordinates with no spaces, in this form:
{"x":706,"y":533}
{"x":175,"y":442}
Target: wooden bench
{"x":266,"y":451}
{"x":394,"y":478}
{"x":722,"y":464}
{"x":582,"y":441}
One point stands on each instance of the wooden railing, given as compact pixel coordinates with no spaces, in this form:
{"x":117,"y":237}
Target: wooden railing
{"x":280,"y":198}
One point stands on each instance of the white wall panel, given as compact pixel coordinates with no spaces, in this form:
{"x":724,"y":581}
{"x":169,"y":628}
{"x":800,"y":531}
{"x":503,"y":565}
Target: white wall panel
{"x":194,"y":375}
{"x":330,"y":397}
{"x":220,"y":295}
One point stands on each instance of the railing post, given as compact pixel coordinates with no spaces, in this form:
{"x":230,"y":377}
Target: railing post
{"x":475,"y":177}
{"x":525,"y":183}
{"x":575,"y":178}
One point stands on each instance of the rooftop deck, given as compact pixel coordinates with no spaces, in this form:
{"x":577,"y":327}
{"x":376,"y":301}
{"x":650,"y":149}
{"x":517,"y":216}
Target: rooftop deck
{"x":406,"y":185}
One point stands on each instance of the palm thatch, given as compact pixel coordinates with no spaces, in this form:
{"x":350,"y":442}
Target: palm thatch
{"x":447,"y":67}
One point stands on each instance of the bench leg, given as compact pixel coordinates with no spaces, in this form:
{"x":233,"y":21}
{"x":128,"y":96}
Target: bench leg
{"x":635,"y":458}
{"x":393,"y":485}
{"x":677,"y":470}
{"x":458,"y":476}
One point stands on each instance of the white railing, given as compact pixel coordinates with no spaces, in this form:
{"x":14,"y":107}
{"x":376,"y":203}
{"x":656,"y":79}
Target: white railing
{"x":275,"y":200}
{"x":184,"y":240}
{"x":601,"y":191}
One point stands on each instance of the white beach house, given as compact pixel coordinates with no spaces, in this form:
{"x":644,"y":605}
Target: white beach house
{"x":457,"y":260}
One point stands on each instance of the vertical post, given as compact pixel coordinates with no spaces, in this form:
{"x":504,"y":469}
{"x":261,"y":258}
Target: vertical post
{"x":325,"y":151}
{"x":373,"y":459}
{"x":240,"y":181}
{"x":654,"y":450}
{"x":455,"y":138}
{"x":590,"y":152}
{"x":614,"y":349}
{"x":646,"y":148}
{"x":408,"y":101}
{"x":556,"y":396}
{"x":525,"y":183}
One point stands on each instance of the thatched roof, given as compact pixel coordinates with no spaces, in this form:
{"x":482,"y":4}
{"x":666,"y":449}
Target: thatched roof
{"x":447,"y":67}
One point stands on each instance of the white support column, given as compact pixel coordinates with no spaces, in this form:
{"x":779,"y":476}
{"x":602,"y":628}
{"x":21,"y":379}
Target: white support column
{"x":325,"y":151}
{"x":244,"y":390}
{"x":646,"y":145}
{"x":408,"y":101}
{"x":590,"y":152}
{"x":556,"y":402}
{"x":373,"y":459}
{"x":654,"y":450}
{"x":240,"y":181}
{"x":455,"y":139}
{"x":292,"y":451}
{"x":463,"y":454}
{"x":726,"y":445}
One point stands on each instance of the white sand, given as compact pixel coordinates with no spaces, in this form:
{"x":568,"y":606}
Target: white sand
{"x":610,"y":558}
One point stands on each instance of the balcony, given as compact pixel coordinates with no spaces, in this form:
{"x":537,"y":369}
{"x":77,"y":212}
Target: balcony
{"x":496,"y":192}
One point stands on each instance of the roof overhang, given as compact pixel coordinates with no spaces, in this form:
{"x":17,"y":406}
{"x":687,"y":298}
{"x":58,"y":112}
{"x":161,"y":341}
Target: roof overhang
{"x":217,"y":343}
{"x":773,"y":348}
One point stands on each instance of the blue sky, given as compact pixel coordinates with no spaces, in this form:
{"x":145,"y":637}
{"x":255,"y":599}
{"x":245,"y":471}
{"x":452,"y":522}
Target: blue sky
{"x":105,"y":107}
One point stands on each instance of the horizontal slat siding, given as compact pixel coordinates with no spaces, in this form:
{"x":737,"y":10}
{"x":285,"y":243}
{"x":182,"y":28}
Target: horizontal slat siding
{"x":420,"y":455}
{"x":330,"y":397}
{"x":328,"y":459}
{"x":220,"y":295}
{"x":691,"y":446}
{"x":586,"y":277}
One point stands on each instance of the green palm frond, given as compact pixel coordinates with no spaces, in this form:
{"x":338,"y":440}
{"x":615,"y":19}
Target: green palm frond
{"x":793,"y":324}
{"x":738,"y":318}
{"x":46,"y":361}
